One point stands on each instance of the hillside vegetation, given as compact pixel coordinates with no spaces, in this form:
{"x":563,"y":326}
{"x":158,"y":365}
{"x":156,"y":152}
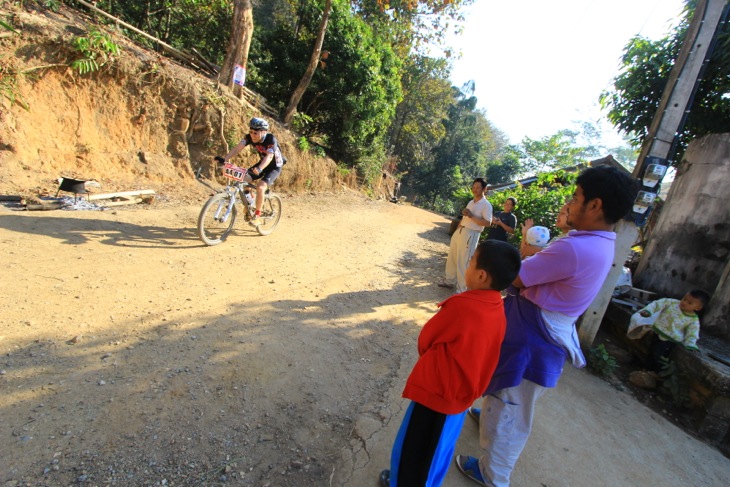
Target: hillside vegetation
{"x":140,"y":121}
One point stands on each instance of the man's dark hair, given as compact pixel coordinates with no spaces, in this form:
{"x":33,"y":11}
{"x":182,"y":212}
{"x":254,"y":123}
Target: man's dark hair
{"x":616,"y":189}
{"x":481,"y":181}
{"x":703,"y":297}
{"x":501,"y":260}
{"x":513,"y":200}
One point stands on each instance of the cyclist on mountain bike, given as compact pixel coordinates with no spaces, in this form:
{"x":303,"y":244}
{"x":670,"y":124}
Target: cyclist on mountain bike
{"x":269,"y":166}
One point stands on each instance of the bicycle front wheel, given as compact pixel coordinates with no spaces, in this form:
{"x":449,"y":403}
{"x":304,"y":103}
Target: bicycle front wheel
{"x":270,"y":214}
{"x":216,"y":219}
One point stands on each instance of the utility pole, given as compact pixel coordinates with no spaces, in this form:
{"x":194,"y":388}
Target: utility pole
{"x":656,"y":149}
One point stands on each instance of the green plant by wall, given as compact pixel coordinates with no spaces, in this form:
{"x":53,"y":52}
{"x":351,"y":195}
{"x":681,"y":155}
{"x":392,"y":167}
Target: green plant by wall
{"x":96,"y":50}
{"x":602,"y":362}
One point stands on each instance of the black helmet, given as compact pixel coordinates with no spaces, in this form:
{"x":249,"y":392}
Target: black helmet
{"x":258,"y":124}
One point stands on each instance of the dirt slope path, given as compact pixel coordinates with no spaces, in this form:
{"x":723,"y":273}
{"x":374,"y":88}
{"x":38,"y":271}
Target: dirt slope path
{"x":132,"y":355}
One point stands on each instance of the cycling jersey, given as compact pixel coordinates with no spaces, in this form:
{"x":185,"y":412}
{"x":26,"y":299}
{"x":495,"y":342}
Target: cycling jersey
{"x":269,"y":145}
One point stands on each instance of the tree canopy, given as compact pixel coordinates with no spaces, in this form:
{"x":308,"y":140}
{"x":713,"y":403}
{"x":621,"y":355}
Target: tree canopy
{"x":378,"y":100}
{"x":645,"y":68}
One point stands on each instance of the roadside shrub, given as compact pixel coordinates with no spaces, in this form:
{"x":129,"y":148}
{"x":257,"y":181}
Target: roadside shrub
{"x":602,"y":362}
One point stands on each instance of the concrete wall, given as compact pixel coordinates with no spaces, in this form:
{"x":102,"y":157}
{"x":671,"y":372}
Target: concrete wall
{"x":690,"y":245}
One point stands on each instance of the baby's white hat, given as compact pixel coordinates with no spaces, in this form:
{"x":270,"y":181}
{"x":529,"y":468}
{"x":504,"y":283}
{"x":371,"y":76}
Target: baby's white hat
{"x":539,"y":236}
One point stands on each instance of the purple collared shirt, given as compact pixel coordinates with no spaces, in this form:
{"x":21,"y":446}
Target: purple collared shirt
{"x":567,"y":275}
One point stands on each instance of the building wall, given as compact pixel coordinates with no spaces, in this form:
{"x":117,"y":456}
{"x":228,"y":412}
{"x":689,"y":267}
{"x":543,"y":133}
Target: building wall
{"x":690,"y":246}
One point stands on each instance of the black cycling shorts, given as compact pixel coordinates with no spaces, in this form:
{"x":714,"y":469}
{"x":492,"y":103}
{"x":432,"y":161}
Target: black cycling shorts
{"x":269,"y":174}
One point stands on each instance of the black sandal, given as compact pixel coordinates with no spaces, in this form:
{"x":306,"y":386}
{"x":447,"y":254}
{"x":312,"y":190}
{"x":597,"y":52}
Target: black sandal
{"x":385,"y":478}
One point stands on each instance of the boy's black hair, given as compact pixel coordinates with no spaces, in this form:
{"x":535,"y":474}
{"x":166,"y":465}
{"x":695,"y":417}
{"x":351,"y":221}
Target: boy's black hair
{"x":703,"y":297}
{"x":501,"y":260}
{"x":513,"y":200}
{"x":616,"y":189}
{"x":481,"y":181}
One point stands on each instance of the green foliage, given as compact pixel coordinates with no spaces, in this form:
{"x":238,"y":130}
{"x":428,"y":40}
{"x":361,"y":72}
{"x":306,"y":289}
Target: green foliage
{"x":232,"y":136}
{"x":97,"y":49}
{"x":303,"y":144}
{"x":556,"y":151}
{"x":413,"y":25}
{"x":203,"y":24}
{"x":352,"y":100}
{"x":418,"y":125}
{"x":9,"y":85}
{"x":370,"y":168}
{"x":506,"y":167}
{"x":300,"y":121}
{"x":540,"y":201}
{"x":343,"y":171}
{"x":53,"y":5}
{"x":602,"y":362}
{"x":319,"y":151}
{"x":637,"y":90}
{"x":462,"y":155}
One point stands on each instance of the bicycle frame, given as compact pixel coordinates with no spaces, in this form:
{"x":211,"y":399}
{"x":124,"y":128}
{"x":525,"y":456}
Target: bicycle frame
{"x":233,"y":191}
{"x":219,"y":213}
{"x":236,"y":187}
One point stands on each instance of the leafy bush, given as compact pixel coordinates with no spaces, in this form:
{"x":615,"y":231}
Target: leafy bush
{"x":602,"y":362}
{"x":300,"y":121}
{"x":319,"y":151}
{"x":343,"y":171}
{"x":303,"y":144}
{"x":96,"y":49}
{"x":540,"y":201}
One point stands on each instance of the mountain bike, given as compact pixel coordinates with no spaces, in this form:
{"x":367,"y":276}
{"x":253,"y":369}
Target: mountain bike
{"x":219,"y":213}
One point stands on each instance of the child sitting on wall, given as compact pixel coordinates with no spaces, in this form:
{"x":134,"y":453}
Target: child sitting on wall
{"x":672,"y":321}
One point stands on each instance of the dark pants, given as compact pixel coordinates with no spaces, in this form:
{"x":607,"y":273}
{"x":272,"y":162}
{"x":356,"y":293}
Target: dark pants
{"x":424,"y":447}
{"x":659,"y":353}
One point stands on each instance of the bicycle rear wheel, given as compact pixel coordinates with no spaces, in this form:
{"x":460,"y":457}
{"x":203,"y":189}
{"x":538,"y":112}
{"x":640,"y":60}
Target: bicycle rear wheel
{"x":215,"y":222}
{"x":270,"y":214}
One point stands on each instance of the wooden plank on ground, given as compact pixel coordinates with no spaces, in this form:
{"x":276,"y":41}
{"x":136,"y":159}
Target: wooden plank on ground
{"x":122,"y":194}
{"x":132,"y":201}
{"x":44,"y":206}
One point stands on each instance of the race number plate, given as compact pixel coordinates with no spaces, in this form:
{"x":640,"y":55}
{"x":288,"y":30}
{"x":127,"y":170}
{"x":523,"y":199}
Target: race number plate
{"x":234,"y":172}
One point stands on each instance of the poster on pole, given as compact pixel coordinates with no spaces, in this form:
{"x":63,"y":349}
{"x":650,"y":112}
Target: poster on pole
{"x":239,"y":75}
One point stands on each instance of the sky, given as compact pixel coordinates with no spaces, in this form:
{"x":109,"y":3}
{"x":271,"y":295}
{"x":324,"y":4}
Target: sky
{"x":540,"y":65}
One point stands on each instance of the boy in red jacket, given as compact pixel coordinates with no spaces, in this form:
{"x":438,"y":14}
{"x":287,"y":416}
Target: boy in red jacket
{"x":458,"y":351}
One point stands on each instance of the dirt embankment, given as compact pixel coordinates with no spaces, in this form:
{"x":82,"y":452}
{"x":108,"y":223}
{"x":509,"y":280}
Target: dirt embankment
{"x":141,"y":122}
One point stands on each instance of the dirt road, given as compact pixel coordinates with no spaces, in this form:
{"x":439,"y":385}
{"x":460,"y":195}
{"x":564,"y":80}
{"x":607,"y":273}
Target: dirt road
{"x":133,"y":355}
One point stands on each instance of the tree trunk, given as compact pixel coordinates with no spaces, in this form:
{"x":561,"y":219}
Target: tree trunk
{"x":238,"y":46}
{"x":311,"y":67}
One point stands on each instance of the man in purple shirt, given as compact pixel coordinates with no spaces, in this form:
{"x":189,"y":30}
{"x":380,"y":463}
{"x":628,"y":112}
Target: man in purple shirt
{"x":554,"y":287}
